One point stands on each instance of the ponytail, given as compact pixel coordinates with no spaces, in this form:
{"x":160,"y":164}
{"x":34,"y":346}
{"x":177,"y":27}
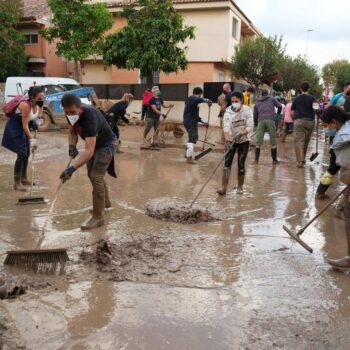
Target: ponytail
{"x":33,"y":91}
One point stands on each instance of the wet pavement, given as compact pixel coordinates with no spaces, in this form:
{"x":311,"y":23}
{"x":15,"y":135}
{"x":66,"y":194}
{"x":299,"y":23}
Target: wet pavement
{"x":237,"y":283}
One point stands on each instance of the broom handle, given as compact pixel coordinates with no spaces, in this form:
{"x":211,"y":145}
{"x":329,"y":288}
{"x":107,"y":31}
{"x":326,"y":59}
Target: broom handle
{"x":322,"y":211}
{"x":33,"y":167}
{"x":210,"y":176}
{"x":206,"y":131}
{"x":141,"y":134}
{"x":317,"y":131}
{"x":51,"y":209}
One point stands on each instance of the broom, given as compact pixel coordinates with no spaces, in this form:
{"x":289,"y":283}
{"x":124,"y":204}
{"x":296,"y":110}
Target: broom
{"x":37,"y":257}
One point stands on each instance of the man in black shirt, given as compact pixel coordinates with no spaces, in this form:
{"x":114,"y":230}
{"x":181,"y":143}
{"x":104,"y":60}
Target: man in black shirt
{"x":304,"y":108}
{"x":191,"y":120}
{"x":100,"y":143}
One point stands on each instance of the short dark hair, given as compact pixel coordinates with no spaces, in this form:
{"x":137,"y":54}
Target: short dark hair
{"x":264,"y":93}
{"x":197,"y":91}
{"x":305,"y":86}
{"x":237,"y":94}
{"x":35,"y":90}
{"x":347,"y":84}
{"x":334,"y":113}
{"x":70,"y":100}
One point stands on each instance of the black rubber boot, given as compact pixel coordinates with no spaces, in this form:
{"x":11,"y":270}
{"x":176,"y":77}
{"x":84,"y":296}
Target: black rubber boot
{"x":257,"y":155}
{"x":274,"y":156}
{"x":321,"y":191}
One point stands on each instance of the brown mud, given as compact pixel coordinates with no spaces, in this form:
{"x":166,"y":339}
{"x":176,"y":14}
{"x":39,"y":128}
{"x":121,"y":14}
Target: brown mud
{"x":140,"y":283}
{"x":167,"y":209}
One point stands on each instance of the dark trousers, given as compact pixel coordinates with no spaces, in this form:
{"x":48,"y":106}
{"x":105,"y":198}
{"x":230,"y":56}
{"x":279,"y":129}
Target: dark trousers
{"x":333,"y":168}
{"x":242,"y":150}
{"x":21,"y":164}
{"x":144,"y":111}
{"x":192,"y":131}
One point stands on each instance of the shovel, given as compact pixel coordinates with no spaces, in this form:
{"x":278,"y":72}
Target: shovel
{"x":315,"y":154}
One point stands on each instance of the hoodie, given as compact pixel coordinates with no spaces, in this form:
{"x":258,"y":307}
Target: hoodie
{"x":236,"y":122}
{"x":264,"y":108}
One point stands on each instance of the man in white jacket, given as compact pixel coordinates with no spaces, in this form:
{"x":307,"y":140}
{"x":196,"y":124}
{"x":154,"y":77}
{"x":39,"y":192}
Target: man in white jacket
{"x":336,"y":119}
{"x":238,"y":124}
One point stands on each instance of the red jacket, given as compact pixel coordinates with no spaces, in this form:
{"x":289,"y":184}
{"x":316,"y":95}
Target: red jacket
{"x":147,"y":95}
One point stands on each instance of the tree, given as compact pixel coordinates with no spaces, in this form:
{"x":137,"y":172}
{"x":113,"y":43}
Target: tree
{"x":295,"y":70}
{"x":79,"y":28}
{"x":12,"y":55}
{"x":331,"y":69}
{"x":150,"y":40}
{"x":257,"y":60}
{"x":342,"y":76}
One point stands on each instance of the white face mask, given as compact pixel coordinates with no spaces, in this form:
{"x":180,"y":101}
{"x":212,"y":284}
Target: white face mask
{"x":236,"y":106}
{"x":73,"y":119}
{"x":316,"y":106}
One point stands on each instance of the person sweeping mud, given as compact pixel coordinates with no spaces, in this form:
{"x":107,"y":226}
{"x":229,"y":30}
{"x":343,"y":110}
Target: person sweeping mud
{"x":264,"y":114}
{"x":336,"y":119}
{"x":191,"y":120}
{"x":18,"y":137}
{"x":100,"y":143}
{"x":238,"y":124}
{"x":154,"y":113}
{"x":118,"y":112}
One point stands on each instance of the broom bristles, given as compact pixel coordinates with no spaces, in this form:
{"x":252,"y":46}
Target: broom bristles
{"x":36,"y":257}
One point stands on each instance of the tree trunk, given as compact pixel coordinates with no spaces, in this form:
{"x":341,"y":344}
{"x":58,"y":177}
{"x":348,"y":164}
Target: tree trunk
{"x":149,"y":79}
{"x":76,"y":71}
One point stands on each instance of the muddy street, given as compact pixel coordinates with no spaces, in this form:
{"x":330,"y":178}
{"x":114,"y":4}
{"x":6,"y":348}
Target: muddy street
{"x":142,"y":283}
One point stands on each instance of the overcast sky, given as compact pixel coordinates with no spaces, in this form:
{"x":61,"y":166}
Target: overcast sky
{"x":329,"y":19}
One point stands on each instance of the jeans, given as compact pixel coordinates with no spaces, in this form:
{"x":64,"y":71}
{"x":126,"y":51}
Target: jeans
{"x":242,"y":149}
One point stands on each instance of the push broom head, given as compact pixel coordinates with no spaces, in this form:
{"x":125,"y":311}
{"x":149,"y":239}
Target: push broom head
{"x":297,"y":238}
{"x":150,"y":148}
{"x":313,"y":156}
{"x":31,"y":200}
{"x":42,"y":260}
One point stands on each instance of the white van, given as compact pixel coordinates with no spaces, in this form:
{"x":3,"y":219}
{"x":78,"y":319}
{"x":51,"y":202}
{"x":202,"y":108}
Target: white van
{"x":18,"y":85}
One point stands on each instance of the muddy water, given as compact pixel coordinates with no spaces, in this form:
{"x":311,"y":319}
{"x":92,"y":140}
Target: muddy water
{"x":238,"y":283}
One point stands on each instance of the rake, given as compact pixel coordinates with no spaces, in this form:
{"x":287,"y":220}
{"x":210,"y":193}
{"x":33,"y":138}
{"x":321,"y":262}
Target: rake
{"x":38,"y":258}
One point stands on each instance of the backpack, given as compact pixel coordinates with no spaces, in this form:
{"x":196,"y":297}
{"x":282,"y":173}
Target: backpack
{"x":11,"y":106}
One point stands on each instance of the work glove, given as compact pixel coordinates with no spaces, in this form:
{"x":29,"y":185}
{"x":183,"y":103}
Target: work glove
{"x":164,"y":116}
{"x":238,"y":137}
{"x":326,"y":178}
{"x":33,"y":144}
{"x":73,"y":151}
{"x":209,"y":102}
{"x":67,"y":174}
{"x":228,"y":145}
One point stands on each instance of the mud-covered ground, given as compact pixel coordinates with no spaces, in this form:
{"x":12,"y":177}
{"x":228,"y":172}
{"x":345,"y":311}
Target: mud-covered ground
{"x":143,"y":283}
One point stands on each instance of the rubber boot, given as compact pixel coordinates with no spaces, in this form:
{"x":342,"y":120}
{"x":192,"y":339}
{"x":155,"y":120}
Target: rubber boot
{"x":321,"y":192}
{"x":257,"y":154}
{"x":274,"y":156}
{"x":98,"y":204}
{"x":344,"y":263}
{"x":240,"y":184}
{"x":190,"y":153}
{"x":224,"y":182}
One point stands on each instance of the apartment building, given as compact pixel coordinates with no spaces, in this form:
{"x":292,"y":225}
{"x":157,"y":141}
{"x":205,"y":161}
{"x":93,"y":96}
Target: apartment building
{"x":220,"y":26}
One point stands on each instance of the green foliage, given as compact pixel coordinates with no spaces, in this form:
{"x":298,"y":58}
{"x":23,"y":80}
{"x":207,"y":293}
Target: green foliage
{"x":257,"y":60}
{"x":331,"y":69}
{"x":295,"y":70}
{"x":79,"y":28}
{"x":150,"y":40}
{"x":342,"y":76}
{"x":12,"y":55}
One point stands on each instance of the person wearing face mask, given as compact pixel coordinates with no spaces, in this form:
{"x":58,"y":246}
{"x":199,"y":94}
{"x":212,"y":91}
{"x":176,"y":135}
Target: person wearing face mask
{"x":264,"y":114}
{"x":341,"y":100}
{"x":100,"y":145}
{"x":191,"y":120}
{"x":336,"y":119}
{"x":18,"y":137}
{"x":238,"y":124}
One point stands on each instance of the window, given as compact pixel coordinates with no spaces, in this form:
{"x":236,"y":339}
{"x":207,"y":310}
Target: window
{"x":31,"y":39}
{"x":155,"y":76}
{"x":221,"y":77}
{"x":234,"y":27}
